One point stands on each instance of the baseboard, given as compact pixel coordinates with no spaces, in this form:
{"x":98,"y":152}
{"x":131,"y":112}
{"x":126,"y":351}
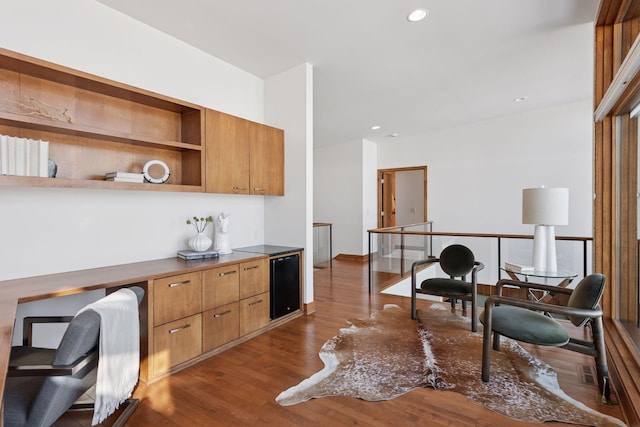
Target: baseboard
{"x":353,"y":258}
{"x":310,"y":308}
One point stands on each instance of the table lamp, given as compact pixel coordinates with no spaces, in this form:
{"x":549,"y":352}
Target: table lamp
{"x":545,"y":207}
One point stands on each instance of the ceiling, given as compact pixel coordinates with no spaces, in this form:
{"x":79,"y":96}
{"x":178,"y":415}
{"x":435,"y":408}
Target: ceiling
{"x":465,"y":63}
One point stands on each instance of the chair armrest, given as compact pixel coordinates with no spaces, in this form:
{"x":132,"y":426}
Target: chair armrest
{"x":78,"y":368}
{"x":539,"y":306}
{"x":530,"y":286}
{"x":27,"y":326}
{"x":425,"y":261}
{"x":477,"y":266}
{"x":415,"y":265}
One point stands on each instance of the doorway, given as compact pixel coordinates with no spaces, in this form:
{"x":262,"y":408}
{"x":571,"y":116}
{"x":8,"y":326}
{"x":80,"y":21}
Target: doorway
{"x":402,"y":196}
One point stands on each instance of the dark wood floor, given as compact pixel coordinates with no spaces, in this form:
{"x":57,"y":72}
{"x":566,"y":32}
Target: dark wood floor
{"x":238,"y":387}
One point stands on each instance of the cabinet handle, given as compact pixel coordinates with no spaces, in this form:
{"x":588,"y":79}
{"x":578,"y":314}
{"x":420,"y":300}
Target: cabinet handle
{"x":173,"y":331}
{"x":255,"y":302}
{"x":173,"y":285}
{"x":227,"y":272}
{"x":259,"y":189}
{"x":221,"y":314}
{"x":239,"y":188}
{"x":253,"y":267}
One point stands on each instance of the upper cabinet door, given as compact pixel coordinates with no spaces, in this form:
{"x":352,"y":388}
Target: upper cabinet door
{"x":267,"y":160}
{"x":227,"y":153}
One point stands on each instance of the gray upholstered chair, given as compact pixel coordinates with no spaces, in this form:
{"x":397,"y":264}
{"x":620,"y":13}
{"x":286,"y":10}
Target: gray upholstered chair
{"x":533,"y":322}
{"x":42,"y":384}
{"x":457,"y":261}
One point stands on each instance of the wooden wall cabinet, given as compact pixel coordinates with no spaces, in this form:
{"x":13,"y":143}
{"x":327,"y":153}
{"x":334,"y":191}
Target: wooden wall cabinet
{"x":266,"y":160}
{"x":243,"y":157}
{"x":96,"y":126}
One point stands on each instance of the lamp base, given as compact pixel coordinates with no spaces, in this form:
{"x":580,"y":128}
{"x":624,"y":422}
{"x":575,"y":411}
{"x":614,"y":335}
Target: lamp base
{"x":544,"y":248}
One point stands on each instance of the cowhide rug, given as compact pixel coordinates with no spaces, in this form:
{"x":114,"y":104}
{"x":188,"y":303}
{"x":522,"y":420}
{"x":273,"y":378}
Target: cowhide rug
{"x":389,"y":354}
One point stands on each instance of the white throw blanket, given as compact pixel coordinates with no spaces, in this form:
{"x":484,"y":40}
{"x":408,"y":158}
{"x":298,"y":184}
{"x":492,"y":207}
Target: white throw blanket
{"x":119,"y":351}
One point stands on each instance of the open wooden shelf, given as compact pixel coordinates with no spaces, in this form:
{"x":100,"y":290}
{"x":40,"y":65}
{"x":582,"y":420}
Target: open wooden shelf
{"x":96,"y":126}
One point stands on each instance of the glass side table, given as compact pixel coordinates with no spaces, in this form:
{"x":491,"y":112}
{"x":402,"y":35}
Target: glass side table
{"x":564,"y":277}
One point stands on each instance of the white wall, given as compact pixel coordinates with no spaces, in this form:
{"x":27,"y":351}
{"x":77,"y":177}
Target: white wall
{"x":341,"y":195}
{"x":52,"y":230}
{"x":369,"y":192}
{"x":476,"y":173}
{"x":289,"y":105}
{"x":409,"y":197}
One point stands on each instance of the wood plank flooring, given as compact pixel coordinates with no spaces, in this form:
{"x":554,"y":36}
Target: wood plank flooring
{"x":238,"y":387}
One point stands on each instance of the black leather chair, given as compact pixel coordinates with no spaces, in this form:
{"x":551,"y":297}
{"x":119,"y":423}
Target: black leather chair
{"x":42,"y":384}
{"x":532,"y":322}
{"x":456,"y":261}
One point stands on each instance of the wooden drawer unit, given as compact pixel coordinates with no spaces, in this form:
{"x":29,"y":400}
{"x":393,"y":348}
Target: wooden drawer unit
{"x":220,"y":286}
{"x":176,"y":342}
{"x":254,"y":278}
{"x":254,"y":313}
{"x":176,"y":297}
{"x":220,"y":326}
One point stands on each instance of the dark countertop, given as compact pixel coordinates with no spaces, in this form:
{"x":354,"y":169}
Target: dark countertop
{"x":270,"y":250}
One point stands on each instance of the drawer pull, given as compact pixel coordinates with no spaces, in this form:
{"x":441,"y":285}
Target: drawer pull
{"x":227,"y":272}
{"x":255,"y":302}
{"x":173,"y":331}
{"x":173,"y":285}
{"x":221,"y":314}
{"x":251,"y":268}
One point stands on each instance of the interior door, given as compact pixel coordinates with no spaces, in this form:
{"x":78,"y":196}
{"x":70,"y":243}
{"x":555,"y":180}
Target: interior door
{"x":388,"y":212}
{"x":402,"y":200}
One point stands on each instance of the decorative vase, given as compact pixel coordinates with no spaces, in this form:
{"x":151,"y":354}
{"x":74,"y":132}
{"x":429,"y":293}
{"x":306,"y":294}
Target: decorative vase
{"x":200,"y":242}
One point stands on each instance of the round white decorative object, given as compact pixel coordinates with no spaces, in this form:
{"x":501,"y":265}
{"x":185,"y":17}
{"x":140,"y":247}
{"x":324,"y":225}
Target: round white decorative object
{"x":200,"y":242}
{"x":149,"y":178}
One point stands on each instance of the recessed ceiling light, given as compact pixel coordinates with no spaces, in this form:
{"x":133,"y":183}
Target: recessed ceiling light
{"x":392,"y":135}
{"x":417,"y":15}
{"x":375,"y":127}
{"x":520,"y":99}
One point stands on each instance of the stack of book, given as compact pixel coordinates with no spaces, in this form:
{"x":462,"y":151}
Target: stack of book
{"x":124,"y":177}
{"x":189,"y":254}
{"x":518,"y":268}
{"x":24,"y":156}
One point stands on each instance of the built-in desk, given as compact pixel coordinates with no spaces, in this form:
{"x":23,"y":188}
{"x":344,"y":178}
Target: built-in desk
{"x":150,"y":274}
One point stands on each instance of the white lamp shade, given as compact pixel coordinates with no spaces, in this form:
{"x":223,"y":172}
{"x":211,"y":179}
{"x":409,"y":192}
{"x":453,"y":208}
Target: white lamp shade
{"x":545,"y":206}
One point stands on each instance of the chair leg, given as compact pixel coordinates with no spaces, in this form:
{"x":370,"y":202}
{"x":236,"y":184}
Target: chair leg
{"x":413,"y":304}
{"x":129,"y":406}
{"x":453,"y":303}
{"x":486,"y":346}
{"x":496,"y":341}
{"x":602,"y":368}
{"x":474,"y":317}
{"x":413,"y":291}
